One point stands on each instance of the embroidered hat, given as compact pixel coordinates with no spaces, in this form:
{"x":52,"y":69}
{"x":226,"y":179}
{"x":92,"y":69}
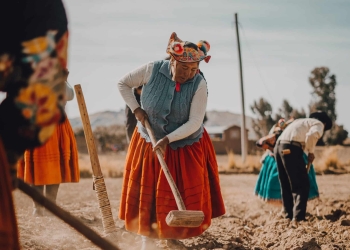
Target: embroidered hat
{"x":322,"y":117}
{"x":184,"y":51}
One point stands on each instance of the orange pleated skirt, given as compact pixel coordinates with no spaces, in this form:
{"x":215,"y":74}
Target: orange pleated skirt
{"x":146,"y":195}
{"x":8,"y":222}
{"x":54,"y":162}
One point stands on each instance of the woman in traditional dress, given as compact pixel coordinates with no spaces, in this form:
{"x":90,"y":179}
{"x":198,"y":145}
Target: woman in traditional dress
{"x":53,"y":163}
{"x":33,"y":57}
{"x":268,"y":186}
{"x":174,"y":98}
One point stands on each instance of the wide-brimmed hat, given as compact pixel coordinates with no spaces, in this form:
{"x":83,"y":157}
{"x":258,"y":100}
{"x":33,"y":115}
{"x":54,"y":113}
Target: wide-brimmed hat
{"x":322,"y":117}
{"x":184,"y":51}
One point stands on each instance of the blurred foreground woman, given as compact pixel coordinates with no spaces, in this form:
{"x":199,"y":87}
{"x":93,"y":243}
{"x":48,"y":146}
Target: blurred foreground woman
{"x":33,"y":57}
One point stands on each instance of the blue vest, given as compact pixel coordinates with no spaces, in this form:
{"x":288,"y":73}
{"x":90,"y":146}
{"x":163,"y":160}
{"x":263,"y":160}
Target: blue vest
{"x":167,"y":109}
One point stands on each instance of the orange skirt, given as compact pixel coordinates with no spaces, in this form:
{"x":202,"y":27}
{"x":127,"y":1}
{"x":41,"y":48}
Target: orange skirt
{"x":8,"y":222}
{"x":146,"y":195}
{"x":53,"y":163}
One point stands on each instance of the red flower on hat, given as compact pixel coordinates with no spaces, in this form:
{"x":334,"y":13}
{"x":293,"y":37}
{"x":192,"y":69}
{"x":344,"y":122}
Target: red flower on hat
{"x":178,"y":48}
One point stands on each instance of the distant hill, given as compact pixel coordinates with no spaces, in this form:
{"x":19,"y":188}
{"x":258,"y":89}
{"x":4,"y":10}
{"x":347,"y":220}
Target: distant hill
{"x":101,"y":119}
{"x":215,"y":118}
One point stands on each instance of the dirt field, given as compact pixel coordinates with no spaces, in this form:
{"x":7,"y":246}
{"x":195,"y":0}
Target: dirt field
{"x":248,"y":224}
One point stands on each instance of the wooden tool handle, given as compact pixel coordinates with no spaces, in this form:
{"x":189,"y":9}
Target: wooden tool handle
{"x":179,"y":202}
{"x":89,"y":137}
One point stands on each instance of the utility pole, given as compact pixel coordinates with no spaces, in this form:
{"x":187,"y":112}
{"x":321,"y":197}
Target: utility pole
{"x":243,"y":127}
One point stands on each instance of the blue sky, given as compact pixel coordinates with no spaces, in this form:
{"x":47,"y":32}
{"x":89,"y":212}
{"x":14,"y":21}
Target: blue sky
{"x":282,"y":42}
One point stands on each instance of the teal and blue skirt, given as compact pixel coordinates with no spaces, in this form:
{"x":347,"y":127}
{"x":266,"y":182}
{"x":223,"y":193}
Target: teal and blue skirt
{"x":268,"y":186}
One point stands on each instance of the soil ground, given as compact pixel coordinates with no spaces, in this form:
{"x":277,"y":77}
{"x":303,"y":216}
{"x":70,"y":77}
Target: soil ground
{"x":248,"y":224}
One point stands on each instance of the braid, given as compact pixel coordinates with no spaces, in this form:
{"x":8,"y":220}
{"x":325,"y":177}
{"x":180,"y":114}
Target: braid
{"x":201,"y":73}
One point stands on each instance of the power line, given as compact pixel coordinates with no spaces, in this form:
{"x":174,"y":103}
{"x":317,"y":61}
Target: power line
{"x":255,"y":63}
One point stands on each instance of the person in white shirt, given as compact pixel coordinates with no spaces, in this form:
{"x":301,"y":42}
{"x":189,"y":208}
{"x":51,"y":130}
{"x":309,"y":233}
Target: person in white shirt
{"x":300,"y":135}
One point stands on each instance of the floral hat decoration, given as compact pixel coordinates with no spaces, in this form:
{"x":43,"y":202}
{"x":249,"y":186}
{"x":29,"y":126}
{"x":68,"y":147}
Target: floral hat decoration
{"x":184,"y":51}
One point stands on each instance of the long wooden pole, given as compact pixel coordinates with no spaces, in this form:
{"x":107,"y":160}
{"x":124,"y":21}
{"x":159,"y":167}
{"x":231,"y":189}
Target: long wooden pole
{"x":65,"y":216}
{"x":182,"y":217}
{"x":243,"y":127}
{"x":89,"y":137}
{"x":99,"y":184}
{"x":178,"y":199}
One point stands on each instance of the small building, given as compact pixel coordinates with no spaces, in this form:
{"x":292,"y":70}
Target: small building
{"x":228,"y":138}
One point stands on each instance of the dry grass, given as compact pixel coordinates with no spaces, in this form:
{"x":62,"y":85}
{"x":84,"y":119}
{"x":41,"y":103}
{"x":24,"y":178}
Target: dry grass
{"x":231,"y":160}
{"x":112,"y":165}
{"x":251,"y":165}
{"x":332,"y":160}
{"x":329,"y":160}
{"x":222,"y":162}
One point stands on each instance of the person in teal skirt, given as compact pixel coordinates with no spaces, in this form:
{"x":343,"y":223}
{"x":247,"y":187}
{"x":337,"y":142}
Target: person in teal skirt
{"x":268,"y":186}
